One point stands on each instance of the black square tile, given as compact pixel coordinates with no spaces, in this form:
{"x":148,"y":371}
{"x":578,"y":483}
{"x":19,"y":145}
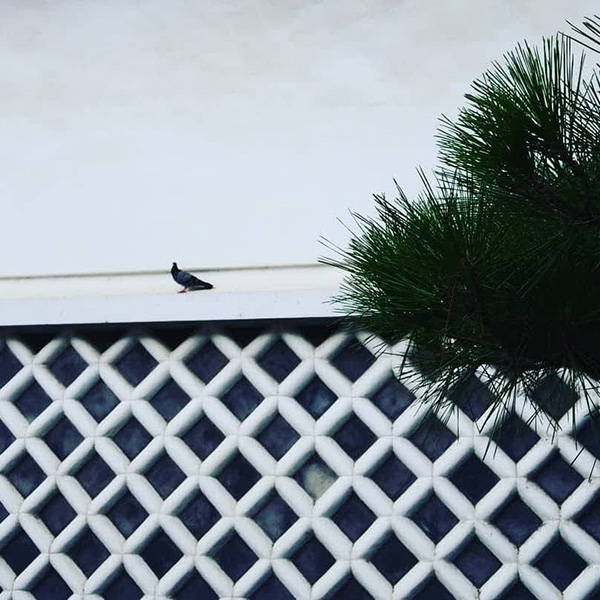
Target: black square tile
{"x":63,"y":438}
{"x":172,"y":336}
{"x":557,"y":478}
{"x":473,"y":478}
{"x":6,"y":437}
{"x":278,"y":361}
{"x":195,"y":588}
{"x":88,"y":552}
{"x":589,"y":518}
{"x":272,"y":589}
{"x":19,"y":551}
{"x":33,"y":401}
{"x":25,"y":475}
{"x":393,"y":477}
{"x":203,"y":437}
{"x":392,"y":398}
{"x":207,"y":362}
{"x":242,"y":398}
{"x":351,"y":589}
{"x":37,"y":340}
{"x":122,"y":587}
{"x":472,"y":396}
{"x":316,"y":334}
{"x":199,"y":515}
{"x":476,"y":562}
{"x":353,"y":360}
{"x":68,"y":366}
{"x":393,"y":560}
{"x":99,"y":400}
{"x":554,"y":396}
{"x":51,"y":586}
{"x":104,"y":338}
{"x":434,"y":518}
{"x":127,"y":514}
{"x":243,"y":334}
{"x":517,"y":591}
{"x":169,"y":400}
{"x":275,"y":517}
{"x":516,"y":520}
{"x":559,"y":563}
{"x":3,"y":512}
{"x":433,"y":589}
{"x":354,"y":437}
{"x":316,"y":397}
{"x":312,"y":559}
{"x":432,"y":438}
{"x":57,"y":513}
{"x":278,"y":437}
{"x":353,"y":517}
{"x":160,"y":553}
{"x":235,"y":557}
{"x":9,"y":366}
{"x":315,"y":476}
{"x":588,"y":435}
{"x":238,"y":476}
{"x":515,"y":437}
{"x":165,"y":476}
{"x":132,"y":438}
{"x":136,"y":365}
{"x":94,"y":475}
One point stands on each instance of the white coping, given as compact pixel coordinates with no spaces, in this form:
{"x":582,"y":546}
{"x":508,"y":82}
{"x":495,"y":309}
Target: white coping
{"x":279,"y":292}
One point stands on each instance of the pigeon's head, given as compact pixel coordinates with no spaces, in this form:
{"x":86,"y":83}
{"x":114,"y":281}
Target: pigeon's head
{"x":174,"y":266}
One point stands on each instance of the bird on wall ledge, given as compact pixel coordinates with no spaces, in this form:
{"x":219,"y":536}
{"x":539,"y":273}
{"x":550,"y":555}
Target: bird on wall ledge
{"x":189,"y":282}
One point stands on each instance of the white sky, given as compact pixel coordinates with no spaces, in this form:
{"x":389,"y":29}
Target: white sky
{"x":225,"y":133}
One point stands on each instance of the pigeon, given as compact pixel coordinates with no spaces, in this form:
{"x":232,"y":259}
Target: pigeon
{"x":189,"y":282}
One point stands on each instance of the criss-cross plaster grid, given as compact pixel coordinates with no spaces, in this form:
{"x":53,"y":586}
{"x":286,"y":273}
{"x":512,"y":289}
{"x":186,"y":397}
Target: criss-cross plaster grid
{"x":330,"y":466}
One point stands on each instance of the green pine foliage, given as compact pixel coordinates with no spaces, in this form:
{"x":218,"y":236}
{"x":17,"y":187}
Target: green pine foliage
{"x":495,"y":268}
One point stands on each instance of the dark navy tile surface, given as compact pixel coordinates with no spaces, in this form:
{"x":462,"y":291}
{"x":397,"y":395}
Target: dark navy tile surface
{"x":560,"y":563}
{"x":316,"y":397}
{"x":235,"y":557}
{"x":279,"y":361}
{"x":312,"y":559}
{"x":160,"y":553}
{"x":393,"y":560}
{"x":242,"y":398}
{"x":199,"y":515}
{"x":207,"y":362}
{"x":353,"y":517}
{"x":127,"y":514}
{"x":99,"y":400}
{"x":353,"y":360}
{"x":203,"y":437}
{"x":393,"y":477}
{"x":238,"y":476}
{"x":278,"y":437}
{"x":473,"y":478}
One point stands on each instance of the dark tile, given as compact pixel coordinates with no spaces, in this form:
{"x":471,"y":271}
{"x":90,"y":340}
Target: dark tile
{"x":272,"y":589}
{"x":132,"y":438}
{"x":9,"y":366}
{"x":63,"y":438}
{"x":432,"y":438}
{"x":32,"y":401}
{"x":278,"y":437}
{"x":278,"y":361}
{"x":312,"y":559}
{"x":353,"y":517}
{"x":160,"y":553}
{"x":19,"y":551}
{"x":235,"y":557}
{"x":434,"y":518}
{"x":203,"y":437}
{"x":316,"y":334}
{"x":6,"y":437}
{"x":316,"y":397}
{"x":37,"y":340}
{"x":169,"y":400}
{"x":393,"y":477}
{"x":136,"y":365}
{"x":353,"y":360}
{"x":51,"y":586}
{"x":392,"y":398}
{"x":433,"y":589}
{"x":25,"y":475}
{"x":354,"y":437}
{"x":88,"y":552}
{"x":589,"y":518}
{"x":351,"y":589}
{"x":275,"y":517}
{"x":238,"y":476}
{"x":104,"y":338}
{"x":94,"y":475}
{"x":476,"y":562}
{"x":68,"y":366}
{"x":315,"y":476}
{"x":165,"y":476}
{"x":122,"y":587}
{"x":557,"y":478}
{"x":241,"y":398}
{"x":554,"y":396}
{"x":588,"y":435}
{"x":199,"y":515}
{"x":195,"y":588}
{"x":559,"y":563}
{"x":207,"y":362}
{"x":517,"y":591}
{"x":127,"y":514}
{"x":172,"y":337}
{"x":242,"y":335}
{"x":515,"y":438}
{"x":472,"y":397}
{"x":473,"y":478}
{"x":3,"y":512}
{"x":516,"y":520}
{"x":57,"y":513}
{"x":393,"y":560}
{"x":99,"y":401}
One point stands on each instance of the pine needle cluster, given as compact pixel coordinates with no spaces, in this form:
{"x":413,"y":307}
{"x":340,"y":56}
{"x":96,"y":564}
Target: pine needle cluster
{"x":495,"y":267}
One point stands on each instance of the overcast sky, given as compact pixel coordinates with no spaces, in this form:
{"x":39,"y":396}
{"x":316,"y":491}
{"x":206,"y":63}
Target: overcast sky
{"x":225,"y":133}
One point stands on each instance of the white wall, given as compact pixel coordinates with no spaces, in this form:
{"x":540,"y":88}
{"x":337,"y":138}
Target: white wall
{"x":225,"y":133}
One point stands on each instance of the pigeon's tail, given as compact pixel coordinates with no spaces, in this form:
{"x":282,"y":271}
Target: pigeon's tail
{"x":203,"y":286}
